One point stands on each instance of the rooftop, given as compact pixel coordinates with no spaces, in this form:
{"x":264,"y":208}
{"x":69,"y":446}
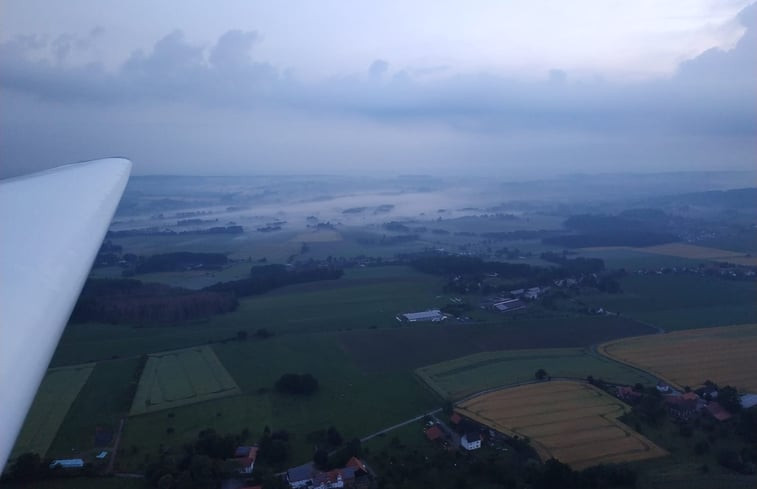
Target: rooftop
{"x":434,"y":433}
{"x":717,"y":411}
{"x":430,"y":315}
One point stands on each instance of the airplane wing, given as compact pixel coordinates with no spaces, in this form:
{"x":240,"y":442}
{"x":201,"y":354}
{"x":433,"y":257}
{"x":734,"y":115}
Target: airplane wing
{"x":51,"y":226}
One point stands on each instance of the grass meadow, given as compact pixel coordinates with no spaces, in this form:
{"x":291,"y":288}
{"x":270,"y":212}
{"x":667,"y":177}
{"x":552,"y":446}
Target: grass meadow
{"x":460,"y":377}
{"x":54,"y":397}
{"x":682,"y":301}
{"x":102,"y":402}
{"x":181,"y":377}
{"x":354,"y":402}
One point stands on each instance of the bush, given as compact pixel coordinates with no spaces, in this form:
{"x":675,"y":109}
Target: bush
{"x":298,"y":384}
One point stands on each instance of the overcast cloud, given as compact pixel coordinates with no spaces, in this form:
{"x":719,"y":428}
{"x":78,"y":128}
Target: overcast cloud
{"x":186,"y":106}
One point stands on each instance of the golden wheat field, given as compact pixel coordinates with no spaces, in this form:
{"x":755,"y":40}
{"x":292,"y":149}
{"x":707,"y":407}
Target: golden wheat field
{"x":724,"y":355}
{"x":695,"y":252}
{"x":573,"y":422}
{"x":685,"y":250}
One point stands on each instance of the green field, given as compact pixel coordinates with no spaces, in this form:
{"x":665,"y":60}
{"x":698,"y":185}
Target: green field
{"x":55,"y":395}
{"x":93,"y":410}
{"x":80,"y":483}
{"x":464,"y":376}
{"x":354,"y":402}
{"x":181,"y":377}
{"x":362,"y":298}
{"x":678,"y":301}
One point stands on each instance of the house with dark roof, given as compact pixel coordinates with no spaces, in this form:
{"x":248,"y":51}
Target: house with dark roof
{"x":301,"y":476}
{"x":354,"y":474}
{"x":245,"y":457}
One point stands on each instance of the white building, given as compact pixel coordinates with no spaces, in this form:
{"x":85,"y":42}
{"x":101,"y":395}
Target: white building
{"x":533,"y":293}
{"x":68,"y":463}
{"x":434,"y":315}
{"x":471,"y":441}
{"x":748,"y":400}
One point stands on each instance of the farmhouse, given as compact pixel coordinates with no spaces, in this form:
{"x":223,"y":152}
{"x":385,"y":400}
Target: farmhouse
{"x":471,"y":440}
{"x":245,"y":457}
{"x":627,"y":394}
{"x":434,"y":433}
{"x":717,"y":411}
{"x":508,"y":305}
{"x":354,"y":474}
{"x":533,"y":293}
{"x":434,"y":315}
{"x":681,"y":407}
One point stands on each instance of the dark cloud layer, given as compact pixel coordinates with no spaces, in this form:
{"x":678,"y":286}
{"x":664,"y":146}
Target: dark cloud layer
{"x":709,"y":103}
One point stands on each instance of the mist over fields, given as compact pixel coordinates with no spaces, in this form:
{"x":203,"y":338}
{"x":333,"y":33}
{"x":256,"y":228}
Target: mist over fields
{"x":388,"y":245}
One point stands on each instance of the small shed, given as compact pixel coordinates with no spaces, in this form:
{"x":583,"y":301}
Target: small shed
{"x":67,"y":463}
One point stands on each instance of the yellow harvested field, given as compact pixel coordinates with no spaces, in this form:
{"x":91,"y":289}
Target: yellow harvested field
{"x":322,"y":236}
{"x":573,"y":422}
{"x":724,"y":355}
{"x":685,"y":250}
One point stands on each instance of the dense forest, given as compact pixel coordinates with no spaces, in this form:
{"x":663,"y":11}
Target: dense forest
{"x":635,"y":227}
{"x":180,"y":261}
{"x":268,"y":277}
{"x":132,"y":301}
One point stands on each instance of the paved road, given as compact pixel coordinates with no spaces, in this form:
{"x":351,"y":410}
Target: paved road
{"x":113,"y":454}
{"x":400,"y":425}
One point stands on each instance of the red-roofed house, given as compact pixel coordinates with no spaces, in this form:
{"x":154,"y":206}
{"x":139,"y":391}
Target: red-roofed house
{"x":628,"y":394}
{"x":356,"y":464}
{"x":681,"y":408}
{"x":434,"y":433}
{"x":717,"y":411}
{"x":245,"y":457}
{"x":455,"y":418}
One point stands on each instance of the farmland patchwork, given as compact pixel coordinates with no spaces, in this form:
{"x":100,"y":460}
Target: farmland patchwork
{"x":181,"y":377}
{"x":570,"y":421}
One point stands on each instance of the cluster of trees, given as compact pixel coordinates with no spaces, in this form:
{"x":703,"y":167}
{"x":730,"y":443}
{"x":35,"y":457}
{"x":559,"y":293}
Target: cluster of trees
{"x":574,"y":266}
{"x":402,"y":467}
{"x":274,"y":448}
{"x":268,"y":277}
{"x":444,"y":264}
{"x":630,"y":228}
{"x":180,"y":261}
{"x":467,"y":272}
{"x":132,"y":301}
{"x":30,"y":467}
{"x":555,"y":474}
{"x":456,"y":309}
{"x":520,"y":234}
{"x":384,"y":240}
{"x":155,"y":231}
{"x":298,"y":384}
{"x":331,"y":451}
{"x":199,"y":464}
{"x":396,"y":227}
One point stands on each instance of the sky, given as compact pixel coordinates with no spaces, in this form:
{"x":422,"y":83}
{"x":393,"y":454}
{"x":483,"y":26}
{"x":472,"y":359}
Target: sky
{"x":511,"y":89}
